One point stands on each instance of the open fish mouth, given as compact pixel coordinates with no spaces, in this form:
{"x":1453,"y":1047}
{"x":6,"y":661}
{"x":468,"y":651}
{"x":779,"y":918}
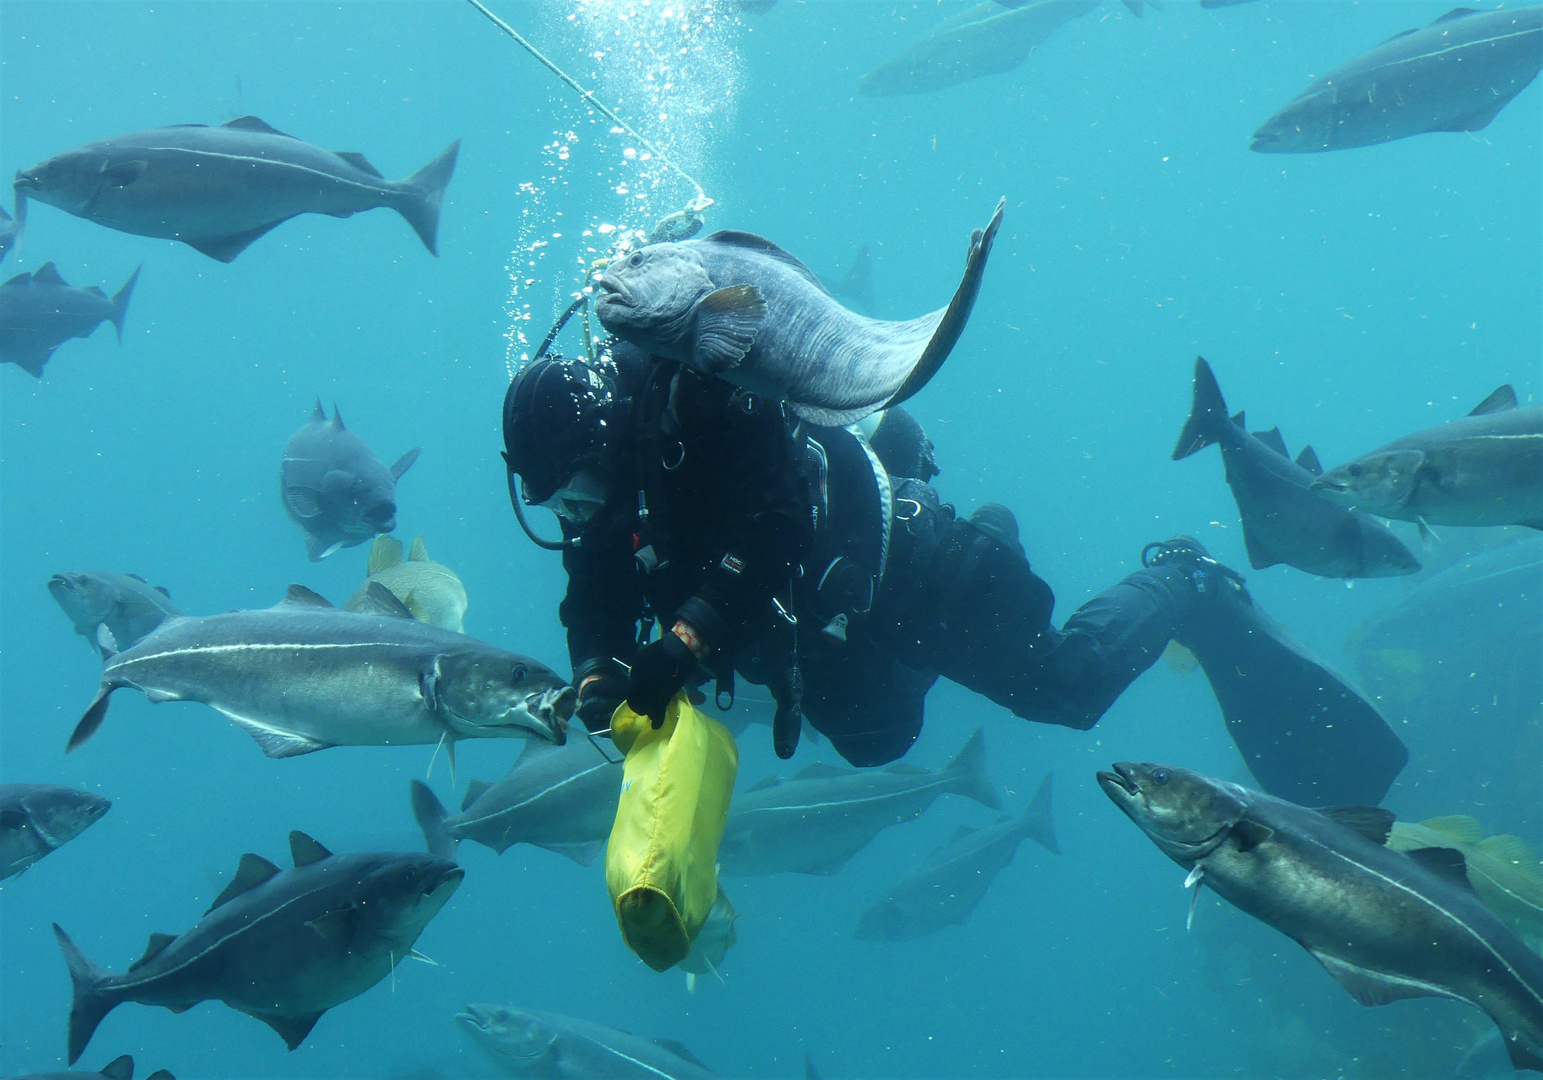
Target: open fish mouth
{"x":552,"y":709}
{"x":1332,"y":486}
{"x":1122,"y":778}
{"x":450,"y":876}
{"x":27,"y":182}
{"x":473,"y":1018}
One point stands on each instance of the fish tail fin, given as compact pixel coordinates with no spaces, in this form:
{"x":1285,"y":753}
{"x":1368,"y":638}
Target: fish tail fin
{"x":120,"y":302}
{"x":92,"y":720}
{"x":1036,"y":822}
{"x":425,"y":190}
{"x":969,"y":766}
{"x":91,"y":1004}
{"x":430,"y":813}
{"x":1206,"y":414}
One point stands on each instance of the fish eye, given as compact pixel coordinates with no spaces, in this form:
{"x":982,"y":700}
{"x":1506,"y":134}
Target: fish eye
{"x":1354,"y":470}
{"x":410,"y":875}
{"x":519,"y":673}
{"x":1159,"y":776}
{"x":636,"y":260}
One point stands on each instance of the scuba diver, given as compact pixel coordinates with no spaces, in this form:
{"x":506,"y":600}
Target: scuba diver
{"x":822,"y":564}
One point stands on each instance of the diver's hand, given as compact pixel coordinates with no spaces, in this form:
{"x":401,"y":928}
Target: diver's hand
{"x":599,"y":695}
{"x":660,"y":672}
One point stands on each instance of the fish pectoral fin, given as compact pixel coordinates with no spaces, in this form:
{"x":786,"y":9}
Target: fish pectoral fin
{"x":155,"y":696}
{"x":336,"y":927}
{"x":1370,"y":987}
{"x":303,"y":502}
{"x":123,"y":173}
{"x":1250,"y":834}
{"x":727,"y":323}
{"x":276,"y":743}
{"x":292,"y":1029}
{"x":226,"y":248}
{"x":405,"y":462}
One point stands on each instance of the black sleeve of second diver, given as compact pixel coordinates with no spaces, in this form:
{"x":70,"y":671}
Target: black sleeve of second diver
{"x":604,"y":599}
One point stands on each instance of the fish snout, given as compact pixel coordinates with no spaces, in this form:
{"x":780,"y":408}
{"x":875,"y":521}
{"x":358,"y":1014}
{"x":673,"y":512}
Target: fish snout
{"x":554,"y":708}
{"x":449,"y":874}
{"x":26,"y":181}
{"x":1121,"y":779}
{"x":474,"y":1017}
{"x":612,"y":290}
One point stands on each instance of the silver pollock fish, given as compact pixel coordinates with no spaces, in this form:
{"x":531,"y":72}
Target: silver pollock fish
{"x":562,"y":798}
{"x":1386,"y":925}
{"x":303,"y":675}
{"x":282,"y":946}
{"x":217,"y":189}
{"x":737,"y":306}
{"x":813,"y":822}
{"x":36,"y":819}
{"x":112,"y":611}
{"x":1454,"y":75}
{"x":1483,"y":469}
{"x":119,"y":1068}
{"x":41,"y":311}
{"x":551,"y":1046}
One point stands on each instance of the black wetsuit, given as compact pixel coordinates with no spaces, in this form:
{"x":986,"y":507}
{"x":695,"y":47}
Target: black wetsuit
{"x":769,"y":537}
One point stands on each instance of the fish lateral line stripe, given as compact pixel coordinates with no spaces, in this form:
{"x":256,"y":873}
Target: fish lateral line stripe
{"x":534,"y":798}
{"x":276,"y":162}
{"x":635,"y":1061}
{"x":200,"y":650}
{"x":1445,"y":49}
{"x":836,"y":803}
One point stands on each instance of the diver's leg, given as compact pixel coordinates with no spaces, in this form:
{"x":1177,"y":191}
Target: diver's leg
{"x":862,"y":700}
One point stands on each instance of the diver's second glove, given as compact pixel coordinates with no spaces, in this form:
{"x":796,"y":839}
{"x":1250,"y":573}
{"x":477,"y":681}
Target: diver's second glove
{"x":660,"y":672}
{"x":602,"y":685}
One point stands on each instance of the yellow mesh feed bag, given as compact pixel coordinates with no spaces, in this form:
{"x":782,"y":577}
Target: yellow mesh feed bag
{"x":661,"y":865}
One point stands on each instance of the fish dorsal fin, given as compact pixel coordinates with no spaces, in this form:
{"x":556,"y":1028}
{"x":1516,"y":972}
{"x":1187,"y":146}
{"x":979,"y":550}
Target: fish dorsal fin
{"x":762,"y":785}
{"x":96,"y":290}
{"x":679,"y":1050}
{"x":319,"y":414}
{"x":119,"y":1068}
{"x":385,"y":553}
{"x":1308,"y":459}
{"x":419,"y":552}
{"x":252,"y":123}
{"x":820,"y":771}
{"x":1502,"y":400}
{"x":337,"y":417}
{"x":1446,"y":863}
{"x":1404,"y":34}
{"x":969,"y":830}
{"x":1240,"y":420}
{"x":752,"y":242}
{"x":1455,"y":13}
{"x":306,"y":851}
{"x":474,"y":791}
{"x":251,"y":872}
{"x":300,"y":596}
{"x":405,"y":462}
{"x":1372,"y":822}
{"x":1458,"y":827}
{"x":376,"y":599}
{"x":1274,"y":440}
{"x":156,"y":946}
{"x":48,"y":274}
{"x":1513,"y":850}
{"x":360,"y":162}
{"x":20,"y":279}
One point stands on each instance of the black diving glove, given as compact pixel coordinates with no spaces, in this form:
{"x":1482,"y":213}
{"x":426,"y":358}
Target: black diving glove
{"x":602,"y":687}
{"x":659,"y":673}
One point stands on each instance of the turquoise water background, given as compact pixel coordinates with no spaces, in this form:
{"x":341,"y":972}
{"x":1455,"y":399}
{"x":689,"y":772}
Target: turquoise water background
{"x":1348,"y":297}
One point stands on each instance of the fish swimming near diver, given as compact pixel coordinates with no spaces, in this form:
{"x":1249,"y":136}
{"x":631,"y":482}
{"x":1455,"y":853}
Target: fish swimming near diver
{"x":119,"y":1068}
{"x":951,"y":882}
{"x":335,"y":488}
{"x":217,"y":189}
{"x":1504,"y":872}
{"x":1454,"y":75}
{"x":112,"y":611}
{"x":986,"y":39}
{"x":712,"y":943}
{"x":551,"y":1046}
{"x":303,"y":675}
{"x":430,"y":590}
{"x":283,"y":946}
{"x":562,"y":798}
{"x":36,"y":819}
{"x":1483,"y":469}
{"x":41,"y":311}
{"x":737,"y":306}
{"x":816,"y":820}
{"x":1385,"y":924}
{"x":1284,"y":521}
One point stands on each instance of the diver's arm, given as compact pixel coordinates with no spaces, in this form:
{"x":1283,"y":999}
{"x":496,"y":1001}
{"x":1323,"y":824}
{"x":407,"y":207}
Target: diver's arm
{"x":604,"y":599}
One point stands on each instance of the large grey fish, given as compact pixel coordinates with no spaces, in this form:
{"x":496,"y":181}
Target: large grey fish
{"x":562,"y":798}
{"x":1454,"y":75}
{"x":41,"y":311}
{"x":952,"y":881}
{"x":38,"y":818}
{"x":1484,"y":469}
{"x":11,"y":228}
{"x":335,"y":488}
{"x":737,"y":306}
{"x":1283,"y":520}
{"x":218,"y":189}
{"x":1386,"y":925}
{"x":551,"y":1046}
{"x":119,"y":1068}
{"x":813,"y":822}
{"x":283,"y":946}
{"x":112,"y":611}
{"x":982,"y":40}
{"x":303,"y":675}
